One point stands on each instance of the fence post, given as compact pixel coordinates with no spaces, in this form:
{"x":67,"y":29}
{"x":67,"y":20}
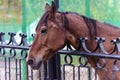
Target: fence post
{"x":23,"y":16}
{"x":54,"y":68}
{"x":57,"y":3}
{"x":24,"y":69}
{"x":87,"y":4}
{"x":23,"y":62}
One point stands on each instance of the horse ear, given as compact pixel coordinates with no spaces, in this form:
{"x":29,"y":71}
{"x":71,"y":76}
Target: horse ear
{"x":47,"y":7}
{"x":53,"y":10}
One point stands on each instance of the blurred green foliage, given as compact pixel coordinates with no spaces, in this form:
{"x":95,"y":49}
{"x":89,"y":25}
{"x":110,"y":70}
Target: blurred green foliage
{"x":102,"y":10}
{"x":11,"y":11}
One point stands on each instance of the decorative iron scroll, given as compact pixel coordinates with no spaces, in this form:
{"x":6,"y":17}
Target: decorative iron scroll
{"x":100,"y":55}
{"x":13,"y":44}
{"x":100,"y":47}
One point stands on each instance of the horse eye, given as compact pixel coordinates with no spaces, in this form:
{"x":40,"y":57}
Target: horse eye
{"x":44,"y":31}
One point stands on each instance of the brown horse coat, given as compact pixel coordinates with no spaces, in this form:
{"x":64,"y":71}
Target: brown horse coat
{"x":55,"y":29}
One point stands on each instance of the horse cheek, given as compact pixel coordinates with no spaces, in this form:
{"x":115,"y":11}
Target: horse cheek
{"x":57,"y":40}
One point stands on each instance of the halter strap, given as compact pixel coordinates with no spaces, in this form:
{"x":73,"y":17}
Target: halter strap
{"x":64,"y":20}
{"x":66,"y":26}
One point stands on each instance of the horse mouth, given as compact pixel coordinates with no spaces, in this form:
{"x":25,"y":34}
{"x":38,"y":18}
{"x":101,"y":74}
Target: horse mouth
{"x":34,"y":65}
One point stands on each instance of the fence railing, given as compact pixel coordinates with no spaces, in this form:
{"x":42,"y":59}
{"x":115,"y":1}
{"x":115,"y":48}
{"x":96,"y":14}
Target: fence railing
{"x":68,"y":64}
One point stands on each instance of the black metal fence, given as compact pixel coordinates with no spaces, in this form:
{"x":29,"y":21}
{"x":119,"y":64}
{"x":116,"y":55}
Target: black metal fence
{"x":67,"y":64}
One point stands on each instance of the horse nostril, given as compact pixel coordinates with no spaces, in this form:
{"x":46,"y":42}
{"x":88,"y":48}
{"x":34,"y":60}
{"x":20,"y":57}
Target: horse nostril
{"x":30,"y":62}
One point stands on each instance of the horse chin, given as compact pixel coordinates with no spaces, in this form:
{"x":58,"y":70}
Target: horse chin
{"x":36,"y":66}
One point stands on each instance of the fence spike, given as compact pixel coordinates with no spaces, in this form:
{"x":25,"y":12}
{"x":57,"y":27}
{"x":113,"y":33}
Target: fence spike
{"x":100,"y":41}
{"x":83,"y":44}
{"x":116,"y":42}
{"x":23,"y":40}
{"x":2,"y":39}
{"x":12,"y":39}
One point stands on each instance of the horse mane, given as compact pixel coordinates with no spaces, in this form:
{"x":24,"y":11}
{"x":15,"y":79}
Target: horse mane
{"x":92,"y":24}
{"x":64,"y":20}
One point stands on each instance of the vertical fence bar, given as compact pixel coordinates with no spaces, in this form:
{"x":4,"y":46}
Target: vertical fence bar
{"x":9,"y":68}
{"x":16,"y":71}
{"x":45,"y":71}
{"x":5,"y":68}
{"x":50,"y":69}
{"x":58,"y":67}
{"x":20,"y":70}
{"x":54,"y":68}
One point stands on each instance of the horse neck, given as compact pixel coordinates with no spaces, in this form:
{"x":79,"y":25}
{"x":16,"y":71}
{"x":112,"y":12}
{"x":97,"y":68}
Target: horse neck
{"x":78,"y":28}
{"x":107,"y":30}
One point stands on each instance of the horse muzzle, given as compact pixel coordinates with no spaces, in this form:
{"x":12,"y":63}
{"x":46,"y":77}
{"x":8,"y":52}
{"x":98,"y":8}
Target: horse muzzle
{"x":34,"y":64}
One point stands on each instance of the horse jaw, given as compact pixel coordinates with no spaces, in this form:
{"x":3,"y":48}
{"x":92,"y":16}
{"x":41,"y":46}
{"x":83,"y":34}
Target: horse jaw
{"x":71,"y":39}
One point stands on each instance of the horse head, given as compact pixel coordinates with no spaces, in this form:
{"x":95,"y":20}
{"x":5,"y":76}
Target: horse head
{"x":51,"y":36}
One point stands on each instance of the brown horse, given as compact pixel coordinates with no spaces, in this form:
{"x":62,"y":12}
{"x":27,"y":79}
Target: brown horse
{"x":56,"y":29}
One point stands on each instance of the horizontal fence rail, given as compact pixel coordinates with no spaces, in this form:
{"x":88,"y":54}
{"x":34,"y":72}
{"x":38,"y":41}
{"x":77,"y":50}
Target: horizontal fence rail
{"x":69,"y":65}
